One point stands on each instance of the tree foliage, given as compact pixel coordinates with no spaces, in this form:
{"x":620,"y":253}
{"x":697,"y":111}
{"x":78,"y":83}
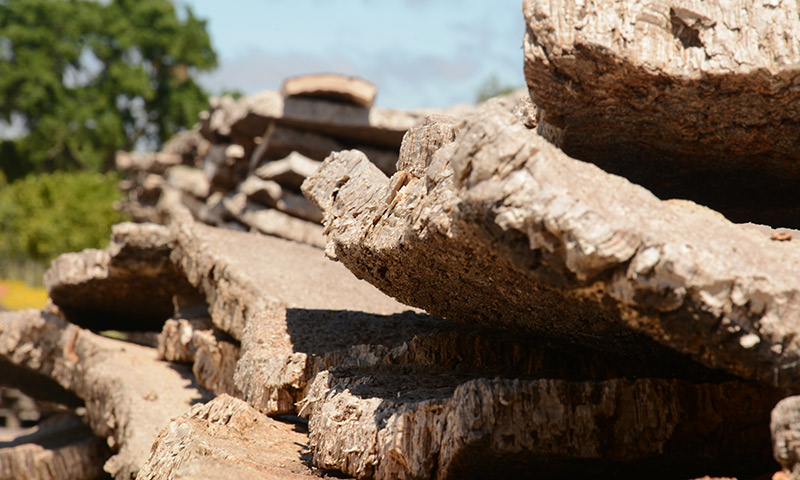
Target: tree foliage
{"x":87,"y":78}
{"x":42,"y":216}
{"x":491,"y":88}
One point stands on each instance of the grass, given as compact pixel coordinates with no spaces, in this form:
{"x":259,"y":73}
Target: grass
{"x":17,"y":295}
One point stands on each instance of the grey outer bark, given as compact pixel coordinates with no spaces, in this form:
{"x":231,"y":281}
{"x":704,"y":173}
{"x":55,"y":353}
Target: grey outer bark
{"x":127,"y":286}
{"x":226,"y":438}
{"x":691,"y":99}
{"x":129,"y":394}
{"x":507,"y":231}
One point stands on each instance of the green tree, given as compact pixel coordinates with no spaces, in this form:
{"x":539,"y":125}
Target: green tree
{"x":44,"y":215}
{"x":86,"y":78}
{"x":490,"y":88}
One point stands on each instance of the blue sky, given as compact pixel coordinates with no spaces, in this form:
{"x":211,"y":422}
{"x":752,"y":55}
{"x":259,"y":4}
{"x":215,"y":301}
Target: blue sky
{"x":420,"y":53}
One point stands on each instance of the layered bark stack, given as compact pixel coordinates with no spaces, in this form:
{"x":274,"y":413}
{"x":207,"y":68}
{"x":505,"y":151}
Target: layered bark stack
{"x":556,"y":320}
{"x":242,"y":165}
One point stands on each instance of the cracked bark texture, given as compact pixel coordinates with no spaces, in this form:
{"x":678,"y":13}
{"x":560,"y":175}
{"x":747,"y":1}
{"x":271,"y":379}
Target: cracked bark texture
{"x":691,"y":99}
{"x":226,"y":438}
{"x":212,"y":353}
{"x":274,"y":296}
{"x":507,"y":231}
{"x":129,"y":394}
{"x":411,"y":424}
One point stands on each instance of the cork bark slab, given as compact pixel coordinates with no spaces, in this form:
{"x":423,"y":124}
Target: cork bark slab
{"x":129,"y":394}
{"x":331,"y":87}
{"x":692,"y":99}
{"x":250,"y":116}
{"x":127,"y":286}
{"x":506,"y":231}
{"x":63,"y":448}
{"x":398,"y":422}
{"x":226,"y":438}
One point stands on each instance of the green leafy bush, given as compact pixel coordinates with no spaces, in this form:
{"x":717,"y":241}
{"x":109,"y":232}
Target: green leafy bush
{"x":86,"y":78}
{"x":42,"y":216}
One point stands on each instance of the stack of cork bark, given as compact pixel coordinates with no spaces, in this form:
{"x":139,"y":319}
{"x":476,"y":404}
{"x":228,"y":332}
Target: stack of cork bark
{"x":241,"y":167}
{"x":493,"y":304}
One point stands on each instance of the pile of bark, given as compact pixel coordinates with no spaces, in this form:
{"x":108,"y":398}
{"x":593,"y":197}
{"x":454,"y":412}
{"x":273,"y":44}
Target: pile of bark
{"x":492,"y":303}
{"x":242,"y":165}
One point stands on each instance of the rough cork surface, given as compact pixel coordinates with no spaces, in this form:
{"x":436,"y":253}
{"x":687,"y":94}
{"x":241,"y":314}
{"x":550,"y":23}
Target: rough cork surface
{"x":271,"y":294}
{"x":129,"y":394}
{"x":692,"y":99}
{"x":393,"y":423}
{"x":61,"y":448}
{"x":176,"y":340}
{"x":212,"y":353}
{"x":507,"y":231}
{"x":244,"y":274}
{"x":226,"y":438}
{"x":785,"y":429}
{"x":127,"y":286}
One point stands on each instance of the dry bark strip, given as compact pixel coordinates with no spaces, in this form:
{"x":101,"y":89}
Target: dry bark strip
{"x":297,"y":314}
{"x":192,"y":181}
{"x":272,"y":222}
{"x":250,"y":116}
{"x":212,"y":353}
{"x":269,"y":293}
{"x":226,"y":438}
{"x":505,"y":230}
{"x":290,"y":171}
{"x":691,"y":99}
{"x":331,"y":87}
{"x":245,"y":275}
{"x":176,"y":340}
{"x":281,"y":141}
{"x":273,"y":195}
{"x":129,"y":394}
{"x":424,"y":408}
{"x":400,"y":423}
{"x":62,"y":448}
{"x":127,"y":286}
